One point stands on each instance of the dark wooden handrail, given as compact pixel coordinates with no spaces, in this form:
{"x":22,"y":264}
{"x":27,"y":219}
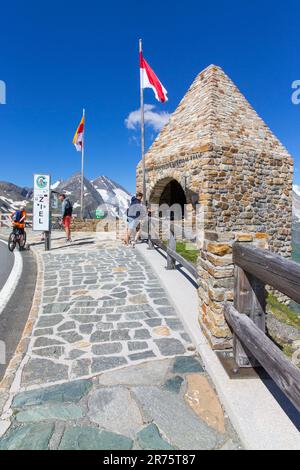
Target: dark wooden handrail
{"x":176,"y":257}
{"x":272,"y":269}
{"x":278,"y":366}
{"x":256,"y":268}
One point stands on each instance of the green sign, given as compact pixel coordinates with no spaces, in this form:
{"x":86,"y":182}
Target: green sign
{"x":100,"y":214}
{"x":41,"y":182}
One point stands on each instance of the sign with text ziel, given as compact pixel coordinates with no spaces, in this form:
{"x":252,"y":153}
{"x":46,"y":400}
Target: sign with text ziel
{"x":41,"y":203}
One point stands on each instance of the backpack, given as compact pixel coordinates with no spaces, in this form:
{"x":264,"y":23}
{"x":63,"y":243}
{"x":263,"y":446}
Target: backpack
{"x":17,"y":216}
{"x":68,"y":208}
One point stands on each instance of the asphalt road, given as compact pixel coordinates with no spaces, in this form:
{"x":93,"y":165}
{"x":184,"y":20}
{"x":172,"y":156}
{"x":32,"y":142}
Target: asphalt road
{"x":6,"y":263}
{"x":14,"y":316}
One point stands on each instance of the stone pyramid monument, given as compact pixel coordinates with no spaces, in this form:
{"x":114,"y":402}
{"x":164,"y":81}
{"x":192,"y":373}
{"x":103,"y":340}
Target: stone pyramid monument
{"x":222,"y":154}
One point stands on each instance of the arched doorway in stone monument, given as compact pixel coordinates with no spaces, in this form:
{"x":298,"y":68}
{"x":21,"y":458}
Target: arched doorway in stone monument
{"x":170,"y":202}
{"x":168,"y":191}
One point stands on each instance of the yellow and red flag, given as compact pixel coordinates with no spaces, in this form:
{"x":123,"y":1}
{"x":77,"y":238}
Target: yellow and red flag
{"x":79,"y":136}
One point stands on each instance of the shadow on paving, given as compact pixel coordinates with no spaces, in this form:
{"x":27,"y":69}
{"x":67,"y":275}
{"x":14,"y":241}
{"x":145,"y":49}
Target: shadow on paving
{"x":80,"y":243}
{"x":281,"y":399}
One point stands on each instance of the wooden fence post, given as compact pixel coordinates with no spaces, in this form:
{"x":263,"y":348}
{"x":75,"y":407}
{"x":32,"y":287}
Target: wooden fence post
{"x":171,"y":263}
{"x":150,"y":243}
{"x":250,"y":300}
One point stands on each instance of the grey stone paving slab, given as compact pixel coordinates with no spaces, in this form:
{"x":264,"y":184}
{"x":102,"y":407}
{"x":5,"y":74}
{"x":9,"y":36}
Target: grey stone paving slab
{"x":42,"y":342}
{"x":100,"y":336}
{"x":28,"y":437}
{"x":174,"y":384}
{"x":170,"y":346}
{"x":87,"y":318}
{"x":80,"y":368}
{"x":154,"y":322}
{"x":177,"y":422}
{"x":99,"y":364}
{"x":43,"y":332}
{"x":67,"y":392}
{"x":149,"y":438}
{"x":115,"y":409}
{"x":107,"y":349}
{"x":175,"y":324}
{"x":148,"y":373}
{"x":40,"y":371}
{"x":142,"y":334}
{"x":64,"y":412}
{"x":142,"y":355}
{"x":49,"y":321}
{"x":69,"y":325}
{"x":52,"y":352}
{"x":56,"y":308}
{"x":120,"y":335}
{"x":129,"y":325}
{"x":137,"y":345}
{"x":89,"y":438}
{"x":104,"y":326}
{"x":75,"y":354}
{"x":187,"y":364}
{"x":86,"y":329}
{"x":71,"y":336}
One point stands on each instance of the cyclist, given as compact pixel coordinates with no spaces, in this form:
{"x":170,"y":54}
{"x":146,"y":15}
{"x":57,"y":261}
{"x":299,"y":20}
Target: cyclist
{"x":18,"y":220}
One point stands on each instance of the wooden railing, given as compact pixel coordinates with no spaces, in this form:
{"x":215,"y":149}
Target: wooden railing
{"x":172,"y":256}
{"x":256,"y":268}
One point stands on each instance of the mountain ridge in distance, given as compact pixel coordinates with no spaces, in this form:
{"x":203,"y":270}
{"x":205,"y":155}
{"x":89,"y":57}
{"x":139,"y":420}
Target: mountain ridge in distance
{"x":101,"y":192}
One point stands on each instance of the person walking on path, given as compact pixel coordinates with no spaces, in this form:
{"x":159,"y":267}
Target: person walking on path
{"x":135,"y":214}
{"x":66,"y":212}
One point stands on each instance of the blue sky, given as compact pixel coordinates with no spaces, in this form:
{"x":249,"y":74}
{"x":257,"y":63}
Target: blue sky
{"x":57,"y":57}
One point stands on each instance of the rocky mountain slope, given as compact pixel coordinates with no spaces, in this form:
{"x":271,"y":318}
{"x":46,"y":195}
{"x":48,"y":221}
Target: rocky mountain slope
{"x":296,"y":201}
{"x":100,"y":193}
{"x":12,"y":196}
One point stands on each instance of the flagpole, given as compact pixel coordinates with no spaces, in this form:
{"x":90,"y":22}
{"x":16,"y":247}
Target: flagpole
{"x":82,"y":170}
{"x":143,"y":127}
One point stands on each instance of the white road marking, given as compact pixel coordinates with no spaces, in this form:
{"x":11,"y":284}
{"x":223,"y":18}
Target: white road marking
{"x":12,"y":281}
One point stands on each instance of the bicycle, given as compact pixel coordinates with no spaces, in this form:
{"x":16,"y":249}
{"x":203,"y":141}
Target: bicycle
{"x":17,"y":236}
{"x":56,"y":224}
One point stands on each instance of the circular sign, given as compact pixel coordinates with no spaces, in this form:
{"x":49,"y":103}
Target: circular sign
{"x":41,"y":182}
{"x":100,"y":214}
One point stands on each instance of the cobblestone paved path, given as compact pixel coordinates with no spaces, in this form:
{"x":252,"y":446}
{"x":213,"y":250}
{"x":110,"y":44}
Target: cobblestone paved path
{"x":101,"y":310}
{"x":109,"y":365}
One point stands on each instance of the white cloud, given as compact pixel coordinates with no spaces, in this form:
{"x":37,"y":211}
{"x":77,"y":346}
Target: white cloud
{"x":154,"y":119}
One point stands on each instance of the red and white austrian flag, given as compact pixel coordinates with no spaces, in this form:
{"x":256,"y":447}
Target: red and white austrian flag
{"x":150,"y":80}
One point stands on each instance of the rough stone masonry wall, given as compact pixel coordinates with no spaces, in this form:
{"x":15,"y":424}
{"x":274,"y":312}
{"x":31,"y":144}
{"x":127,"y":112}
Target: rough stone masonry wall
{"x":248,"y":198}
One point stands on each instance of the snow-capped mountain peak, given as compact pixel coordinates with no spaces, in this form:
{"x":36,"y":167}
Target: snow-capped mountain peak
{"x":55,"y":185}
{"x":296,"y":201}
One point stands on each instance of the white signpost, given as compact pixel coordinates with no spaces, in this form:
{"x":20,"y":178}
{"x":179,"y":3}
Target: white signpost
{"x":41,"y":206}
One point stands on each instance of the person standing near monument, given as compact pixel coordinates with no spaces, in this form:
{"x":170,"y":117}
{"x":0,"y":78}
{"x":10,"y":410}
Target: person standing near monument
{"x":135,"y":214}
{"x":66,"y":212}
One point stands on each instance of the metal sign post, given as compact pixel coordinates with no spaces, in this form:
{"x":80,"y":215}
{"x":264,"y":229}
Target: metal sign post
{"x":41,"y":207}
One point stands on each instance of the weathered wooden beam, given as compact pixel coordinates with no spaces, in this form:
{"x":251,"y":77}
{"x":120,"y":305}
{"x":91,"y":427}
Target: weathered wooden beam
{"x":171,"y":263}
{"x":250,"y":300}
{"x":185,"y":264}
{"x":159,"y":244}
{"x":282,"y":371}
{"x":272,"y":269}
{"x":177,"y":257}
